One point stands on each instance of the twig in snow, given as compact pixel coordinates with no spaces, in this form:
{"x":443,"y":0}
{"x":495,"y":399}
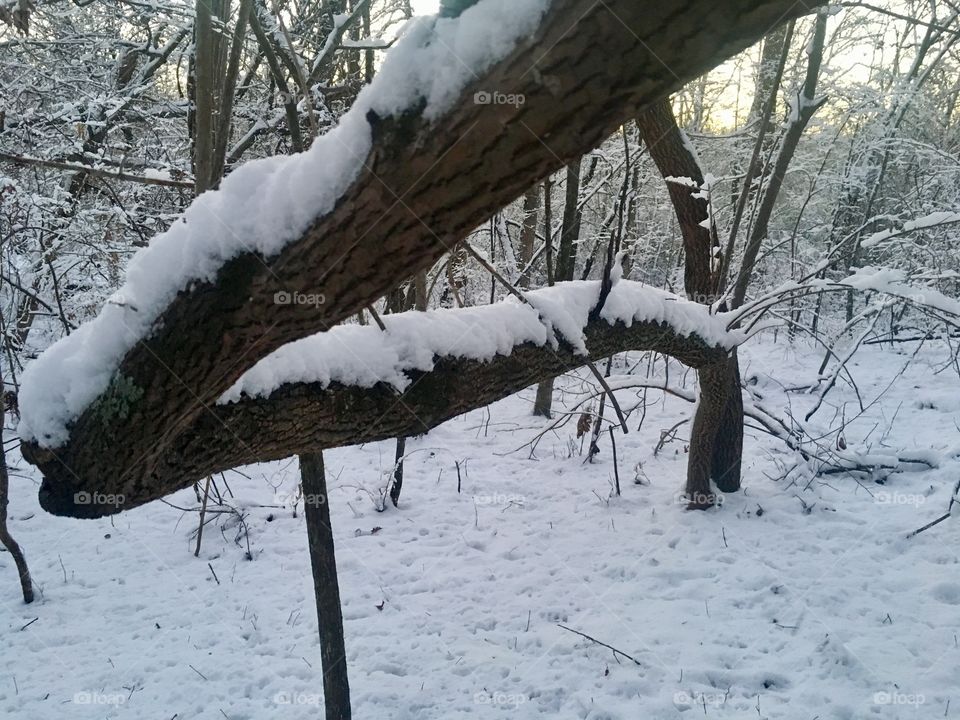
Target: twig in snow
{"x":24,"y":627}
{"x":598,"y":642}
{"x":203,"y":512}
{"x":953,"y":499}
{"x":929,"y":525}
{"x":616,"y":472}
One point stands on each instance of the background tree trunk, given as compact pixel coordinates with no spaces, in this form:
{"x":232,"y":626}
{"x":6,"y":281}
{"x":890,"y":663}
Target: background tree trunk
{"x":716,"y":440}
{"x":26,"y":585}
{"x":565,"y":266}
{"x":570,"y":227}
{"x":326,"y":587}
{"x":528,"y":232}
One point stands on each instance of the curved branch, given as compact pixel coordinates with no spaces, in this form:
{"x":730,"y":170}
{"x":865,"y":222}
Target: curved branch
{"x":427,"y":180}
{"x":303,"y":417}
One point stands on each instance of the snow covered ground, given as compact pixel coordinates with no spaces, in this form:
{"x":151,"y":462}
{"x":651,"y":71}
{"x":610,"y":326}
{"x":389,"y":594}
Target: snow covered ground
{"x":792,"y":600}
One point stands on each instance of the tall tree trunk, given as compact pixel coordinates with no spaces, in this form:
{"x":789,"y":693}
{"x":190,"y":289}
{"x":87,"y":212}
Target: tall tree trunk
{"x":528,"y":232}
{"x":570,"y":228}
{"x":326,"y":587}
{"x":5,"y":538}
{"x":543,"y":403}
{"x":716,"y":441}
{"x":566,"y":265}
{"x":420,"y":303}
{"x":216,"y":64}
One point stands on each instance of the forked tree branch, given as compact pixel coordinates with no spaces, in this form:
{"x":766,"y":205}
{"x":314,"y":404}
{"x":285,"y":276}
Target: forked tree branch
{"x":425,"y":184}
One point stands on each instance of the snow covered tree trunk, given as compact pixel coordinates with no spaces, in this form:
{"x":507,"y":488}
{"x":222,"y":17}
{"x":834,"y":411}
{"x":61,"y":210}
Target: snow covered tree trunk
{"x":326,"y":586}
{"x":596,"y":67}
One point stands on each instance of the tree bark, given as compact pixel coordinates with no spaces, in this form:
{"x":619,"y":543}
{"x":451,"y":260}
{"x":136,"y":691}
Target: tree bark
{"x":543,"y":400}
{"x":307,"y":417}
{"x":528,"y":232}
{"x":570,"y":225}
{"x":6,"y":539}
{"x":670,"y":150}
{"x":716,"y":441}
{"x":596,"y":65}
{"x":323,"y":562}
{"x":566,"y":265}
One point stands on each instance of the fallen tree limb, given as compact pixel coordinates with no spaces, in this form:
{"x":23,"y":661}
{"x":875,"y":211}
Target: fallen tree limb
{"x":261,"y":420}
{"x":118,"y":403}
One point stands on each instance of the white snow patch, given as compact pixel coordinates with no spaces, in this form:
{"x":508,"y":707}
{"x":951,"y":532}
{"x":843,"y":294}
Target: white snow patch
{"x":451,"y":604}
{"x":365,"y":355}
{"x":894,"y":282}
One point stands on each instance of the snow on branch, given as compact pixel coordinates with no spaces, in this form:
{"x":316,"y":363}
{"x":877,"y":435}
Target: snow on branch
{"x":935,"y":219}
{"x":887,"y":281}
{"x":412,"y":169}
{"x":357,"y":384}
{"x":363,"y":356}
{"x":264,"y":205}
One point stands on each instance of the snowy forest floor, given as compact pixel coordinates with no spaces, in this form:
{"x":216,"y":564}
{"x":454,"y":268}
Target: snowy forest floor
{"x":795,"y":599}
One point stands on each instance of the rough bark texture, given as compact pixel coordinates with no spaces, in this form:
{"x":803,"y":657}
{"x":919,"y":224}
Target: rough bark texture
{"x":670,"y":152}
{"x":323,"y":562}
{"x":543,"y":401}
{"x":587,"y":69}
{"x":305,"y":417}
{"x":570,"y":226}
{"x":727,"y":455}
{"x":716,"y":439}
{"x":528,"y":232}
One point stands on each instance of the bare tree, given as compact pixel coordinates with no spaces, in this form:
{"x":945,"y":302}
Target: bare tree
{"x":26,"y":585}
